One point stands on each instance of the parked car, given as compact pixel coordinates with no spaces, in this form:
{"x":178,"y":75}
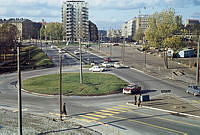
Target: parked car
{"x":96,"y":69}
{"x":193,"y":89}
{"x":132,"y":89}
{"x":76,"y":52}
{"x":117,"y":65}
{"x":107,"y":64}
{"x":116,"y":44}
{"x":107,"y":59}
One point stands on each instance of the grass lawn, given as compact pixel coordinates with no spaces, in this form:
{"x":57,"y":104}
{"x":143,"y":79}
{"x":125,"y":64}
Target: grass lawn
{"x":94,"y":84}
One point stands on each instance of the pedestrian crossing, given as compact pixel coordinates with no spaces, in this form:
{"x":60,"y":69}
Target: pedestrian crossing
{"x":196,"y":101}
{"x":105,"y":113}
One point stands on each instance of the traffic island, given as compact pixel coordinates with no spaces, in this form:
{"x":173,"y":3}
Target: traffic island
{"x":93,"y":84}
{"x":173,"y":105}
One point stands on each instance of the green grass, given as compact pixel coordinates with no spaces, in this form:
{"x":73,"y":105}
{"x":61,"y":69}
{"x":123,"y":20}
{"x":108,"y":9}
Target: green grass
{"x":93,"y":84}
{"x":87,"y":66}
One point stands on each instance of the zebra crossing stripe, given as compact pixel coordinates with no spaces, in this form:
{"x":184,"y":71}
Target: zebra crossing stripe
{"x":109,"y":111}
{"x":116,"y":110}
{"x":88,"y":117}
{"x":96,"y":115}
{"x":102,"y":113}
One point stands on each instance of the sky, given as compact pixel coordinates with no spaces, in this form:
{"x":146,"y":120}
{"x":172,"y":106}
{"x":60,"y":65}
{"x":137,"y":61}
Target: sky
{"x":106,"y":14}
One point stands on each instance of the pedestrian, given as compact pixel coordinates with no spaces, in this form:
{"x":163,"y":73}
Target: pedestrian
{"x":139,"y":100}
{"x":64,"y":109}
{"x":135,"y":99}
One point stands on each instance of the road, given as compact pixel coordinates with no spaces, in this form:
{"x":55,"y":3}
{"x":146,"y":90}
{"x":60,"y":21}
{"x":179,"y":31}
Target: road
{"x":107,"y":114}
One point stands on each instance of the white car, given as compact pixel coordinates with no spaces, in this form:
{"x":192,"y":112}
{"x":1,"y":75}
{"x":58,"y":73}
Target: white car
{"x":96,"y":69}
{"x":76,"y":52}
{"x":107,"y":65}
{"x":117,"y":65}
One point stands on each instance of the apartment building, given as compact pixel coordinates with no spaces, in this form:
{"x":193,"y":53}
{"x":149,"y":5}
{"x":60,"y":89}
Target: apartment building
{"x":132,"y":26}
{"x":75,"y":20}
{"x":26,"y":28}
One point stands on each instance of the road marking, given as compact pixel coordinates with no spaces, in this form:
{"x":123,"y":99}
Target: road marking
{"x":127,"y":106}
{"x":57,"y":114}
{"x":122,"y":108}
{"x":16,"y":110}
{"x":96,"y":115}
{"x":196,"y":101}
{"x":109,"y":111}
{"x":175,"y":121}
{"x":86,"y":120}
{"x":151,"y":125}
{"x":116,"y":110}
{"x":102,"y":113}
{"x":89,"y":117}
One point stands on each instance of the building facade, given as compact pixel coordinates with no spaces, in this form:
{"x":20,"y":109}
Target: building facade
{"x":75,"y":20}
{"x":93,"y":32}
{"x":132,"y":26}
{"x":191,"y":22}
{"x":26,"y":28}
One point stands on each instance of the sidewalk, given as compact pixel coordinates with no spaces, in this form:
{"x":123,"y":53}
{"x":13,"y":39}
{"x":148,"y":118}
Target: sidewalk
{"x":172,"y":104}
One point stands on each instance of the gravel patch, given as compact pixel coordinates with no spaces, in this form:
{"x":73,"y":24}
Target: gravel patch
{"x":40,"y":125}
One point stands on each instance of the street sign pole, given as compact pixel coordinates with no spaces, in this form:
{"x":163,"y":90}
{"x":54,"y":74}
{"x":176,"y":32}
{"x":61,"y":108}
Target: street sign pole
{"x":19,"y":93}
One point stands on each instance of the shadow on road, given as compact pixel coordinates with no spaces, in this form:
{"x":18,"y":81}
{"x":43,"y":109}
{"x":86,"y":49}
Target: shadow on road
{"x":147,"y":91}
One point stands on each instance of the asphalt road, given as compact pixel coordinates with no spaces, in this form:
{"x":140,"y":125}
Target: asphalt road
{"x":107,"y":114}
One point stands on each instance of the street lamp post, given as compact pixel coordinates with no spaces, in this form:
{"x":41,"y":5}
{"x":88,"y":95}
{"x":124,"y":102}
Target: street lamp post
{"x":19,"y":93}
{"x":60,"y":59}
{"x":197,"y":70}
{"x":81,"y":70}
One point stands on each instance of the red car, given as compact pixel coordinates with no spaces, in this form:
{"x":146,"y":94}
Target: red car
{"x":107,"y":59}
{"x":132,"y":89}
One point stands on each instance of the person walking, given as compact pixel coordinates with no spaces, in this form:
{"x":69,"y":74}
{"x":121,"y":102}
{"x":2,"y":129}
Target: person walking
{"x":135,"y":97}
{"x":139,"y":100}
{"x":64,"y":109}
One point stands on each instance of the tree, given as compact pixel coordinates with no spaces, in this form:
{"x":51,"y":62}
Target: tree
{"x":163,"y":27}
{"x":8,"y":37}
{"x":164,"y":31}
{"x":52,"y":31}
{"x":139,"y":35}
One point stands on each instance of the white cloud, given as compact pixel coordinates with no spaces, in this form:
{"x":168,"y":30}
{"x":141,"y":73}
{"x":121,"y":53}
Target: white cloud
{"x":3,"y":11}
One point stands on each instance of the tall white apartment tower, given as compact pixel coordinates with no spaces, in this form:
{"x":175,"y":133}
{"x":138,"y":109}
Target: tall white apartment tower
{"x":75,"y":20}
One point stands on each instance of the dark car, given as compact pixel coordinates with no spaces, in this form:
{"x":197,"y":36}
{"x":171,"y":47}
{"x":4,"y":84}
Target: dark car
{"x":115,"y":44}
{"x":193,"y":89}
{"x":107,"y":59}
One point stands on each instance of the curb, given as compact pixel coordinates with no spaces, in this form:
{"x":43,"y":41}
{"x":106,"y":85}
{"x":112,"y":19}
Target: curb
{"x":37,"y":94}
{"x":168,"y":111}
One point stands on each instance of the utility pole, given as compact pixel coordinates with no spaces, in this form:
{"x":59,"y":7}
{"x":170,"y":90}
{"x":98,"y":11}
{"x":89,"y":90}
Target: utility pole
{"x":197,"y":70}
{"x":81,"y":70}
{"x":110,"y":50}
{"x":60,"y":58}
{"x":19,"y":93}
{"x":123,"y":50}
